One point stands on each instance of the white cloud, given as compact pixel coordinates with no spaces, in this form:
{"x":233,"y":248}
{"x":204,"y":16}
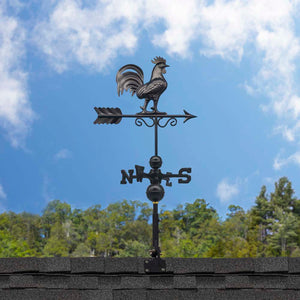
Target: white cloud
{"x":292,"y":159}
{"x":268,"y":28}
{"x":47,"y":189}
{"x":94,"y":35}
{"x":289,"y":133}
{"x":226,"y":191}
{"x":63,"y":154}
{"x":269,"y":180}
{"x":16,"y":114}
{"x":2,"y":193}
{"x":90,"y":36}
{"x":181,"y":20}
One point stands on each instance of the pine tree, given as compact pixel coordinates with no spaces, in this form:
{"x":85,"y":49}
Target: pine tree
{"x":284,"y":232}
{"x":261,"y":214}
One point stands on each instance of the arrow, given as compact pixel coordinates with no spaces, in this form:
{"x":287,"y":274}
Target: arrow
{"x":108,"y":115}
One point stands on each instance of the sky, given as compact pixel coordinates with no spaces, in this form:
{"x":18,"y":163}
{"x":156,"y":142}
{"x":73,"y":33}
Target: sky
{"x":234,"y":64}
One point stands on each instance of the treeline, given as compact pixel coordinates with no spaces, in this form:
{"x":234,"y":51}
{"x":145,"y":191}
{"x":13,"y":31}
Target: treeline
{"x":270,"y":228}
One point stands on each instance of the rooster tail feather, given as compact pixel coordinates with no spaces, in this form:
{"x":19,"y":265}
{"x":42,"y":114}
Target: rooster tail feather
{"x":129,"y":80}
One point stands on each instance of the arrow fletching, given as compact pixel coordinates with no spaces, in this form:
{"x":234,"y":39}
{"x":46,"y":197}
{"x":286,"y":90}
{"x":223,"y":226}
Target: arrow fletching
{"x":108,"y":115}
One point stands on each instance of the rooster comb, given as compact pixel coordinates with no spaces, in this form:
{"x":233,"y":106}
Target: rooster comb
{"x":158,"y":59}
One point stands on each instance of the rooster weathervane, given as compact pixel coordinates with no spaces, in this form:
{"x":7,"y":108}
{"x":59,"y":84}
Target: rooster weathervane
{"x":134,"y":81}
{"x":131,"y":77}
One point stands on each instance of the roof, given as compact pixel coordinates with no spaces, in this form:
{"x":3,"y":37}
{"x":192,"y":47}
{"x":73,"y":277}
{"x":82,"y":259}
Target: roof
{"x":125,"y":278}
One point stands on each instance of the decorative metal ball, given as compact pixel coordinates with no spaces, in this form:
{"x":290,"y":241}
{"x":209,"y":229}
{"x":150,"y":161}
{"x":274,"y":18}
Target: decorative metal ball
{"x":155,"y":162}
{"x":155,"y":192}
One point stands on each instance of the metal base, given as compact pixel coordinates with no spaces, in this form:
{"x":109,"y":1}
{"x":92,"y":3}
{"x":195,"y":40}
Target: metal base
{"x":151,"y":113}
{"x":155,"y":265}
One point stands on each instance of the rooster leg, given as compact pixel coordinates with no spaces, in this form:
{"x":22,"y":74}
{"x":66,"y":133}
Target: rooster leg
{"x":154,"y":108}
{"x":144,"y":108}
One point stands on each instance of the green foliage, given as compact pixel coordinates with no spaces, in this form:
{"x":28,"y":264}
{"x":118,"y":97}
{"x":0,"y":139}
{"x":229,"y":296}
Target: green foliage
{"x":284,"y":232}
{"x":270,"y":228}
{"x":57,"y":244}
{"x":81,"y":251}
{"x":134,"y":249}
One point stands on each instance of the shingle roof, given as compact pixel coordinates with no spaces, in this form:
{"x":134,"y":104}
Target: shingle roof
{"x":124,"y":278}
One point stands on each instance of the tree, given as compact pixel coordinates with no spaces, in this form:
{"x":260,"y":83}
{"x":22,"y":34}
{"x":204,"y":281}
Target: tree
{"x":134,"y":249}
{"x":55,"y":212}
{"x":81,"y":250}
{"x":145,"y":211}
{"x":270,"y":228}
{"x":236,"y":221}
{"x":57,"y":244}
{"x":261,"y":215}
{"x":284,"y":228}
{"x":196,"y":215}
{"x":11,"y":247}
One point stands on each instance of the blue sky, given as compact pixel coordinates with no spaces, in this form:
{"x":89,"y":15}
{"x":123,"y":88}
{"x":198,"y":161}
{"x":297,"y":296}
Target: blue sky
{"x":234,"y":64}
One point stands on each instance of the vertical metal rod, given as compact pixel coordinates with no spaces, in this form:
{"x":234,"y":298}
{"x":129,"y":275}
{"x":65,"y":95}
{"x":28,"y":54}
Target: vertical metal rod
{"x":156,"y":138}
{"x":155,"y":229}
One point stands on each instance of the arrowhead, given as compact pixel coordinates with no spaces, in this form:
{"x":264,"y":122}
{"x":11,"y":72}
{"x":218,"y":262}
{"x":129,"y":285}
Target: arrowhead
{"x":188,"y":116}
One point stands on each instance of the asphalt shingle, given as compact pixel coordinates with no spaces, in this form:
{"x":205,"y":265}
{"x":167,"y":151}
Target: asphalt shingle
{"x":271,"y":264}
{"x":55,"y":264}
{"x":189,"y":265}
{"x":87,"y":264}
{"x":121,"y":265}
{"x":294,"y":264}
{"x":233,"y":265}
{"x":19,"y":265}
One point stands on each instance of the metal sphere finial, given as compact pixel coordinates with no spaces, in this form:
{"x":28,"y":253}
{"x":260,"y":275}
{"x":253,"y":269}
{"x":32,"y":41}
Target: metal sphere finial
{"x":155,"y":162}
{"x":155,"y":192}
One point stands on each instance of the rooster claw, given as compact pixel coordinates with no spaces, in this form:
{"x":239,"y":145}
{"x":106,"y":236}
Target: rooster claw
{"x":155,"y":111}
{"x":144,"y":111}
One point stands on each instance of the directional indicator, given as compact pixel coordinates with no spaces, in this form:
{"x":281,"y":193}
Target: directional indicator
{"x":155,"y":176}
{"x":133,"y":81}
{"x":111,"y":115}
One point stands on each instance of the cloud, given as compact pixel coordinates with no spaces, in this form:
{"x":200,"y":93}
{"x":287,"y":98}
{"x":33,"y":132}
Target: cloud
{"x":235,"y":29}
{"x":47,"y":189}
{"x":269,"y":180}
{"x":16,"y":114}
{"x":226,"y":191}
{"x":289,"y":133}
{"x":63,"y":154}
{"x":292,"y":159}
{"x":181,"y":21}
{"x":90,"y":36}
{"x":2,"y":193}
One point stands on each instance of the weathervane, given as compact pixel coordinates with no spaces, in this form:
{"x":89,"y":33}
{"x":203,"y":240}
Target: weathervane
{"x":133,"y":80}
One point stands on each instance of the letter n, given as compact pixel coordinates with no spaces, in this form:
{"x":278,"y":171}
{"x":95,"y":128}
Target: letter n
{"x":126,"y":176}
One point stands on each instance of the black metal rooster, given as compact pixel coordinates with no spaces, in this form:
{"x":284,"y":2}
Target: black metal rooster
{"x":134,"y":81}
